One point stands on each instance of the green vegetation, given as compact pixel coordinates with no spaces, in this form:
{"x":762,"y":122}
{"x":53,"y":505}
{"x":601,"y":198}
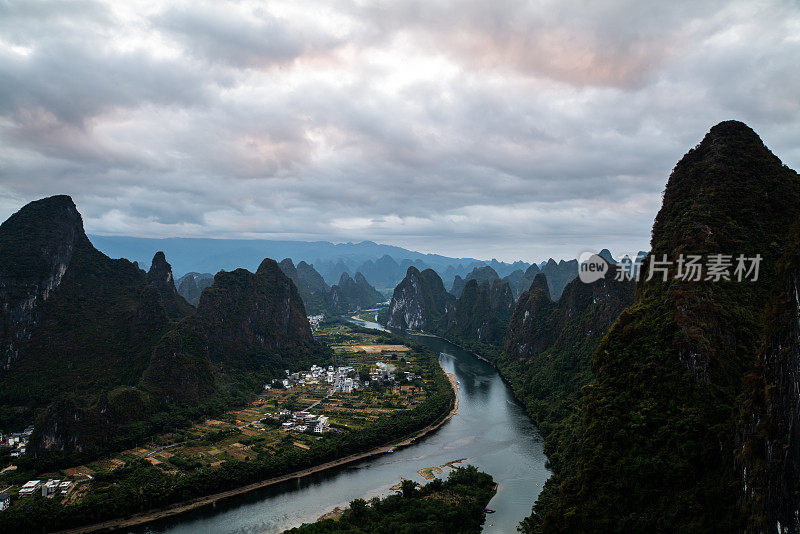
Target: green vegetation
{"x":457,"y":504}
{"x":353,"y":293}
{"x":481,"y":313}
{"x":656,"y":450}
{"x":348,"y":295}
{"x":549,"y":348}
{"x":102,"y":355}
{"x":219,"y":455}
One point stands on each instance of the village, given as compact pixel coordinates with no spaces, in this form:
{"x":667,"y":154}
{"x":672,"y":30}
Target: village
{"x":17,"y":442}
{"x":343,"y":379}
{"x":368,"y":378}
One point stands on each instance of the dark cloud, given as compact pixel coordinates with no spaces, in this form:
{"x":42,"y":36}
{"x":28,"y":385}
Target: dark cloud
{"x":504,"y":129}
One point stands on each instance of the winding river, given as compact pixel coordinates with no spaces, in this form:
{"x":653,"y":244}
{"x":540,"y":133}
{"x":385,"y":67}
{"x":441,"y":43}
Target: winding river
{"x":490,"y":430}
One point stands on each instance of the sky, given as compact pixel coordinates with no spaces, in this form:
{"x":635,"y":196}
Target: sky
{"x":500,"y":128}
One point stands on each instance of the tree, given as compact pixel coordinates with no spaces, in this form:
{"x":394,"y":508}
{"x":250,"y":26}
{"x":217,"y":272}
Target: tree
{"x":408,"y":488}
{"x":358,"y":508}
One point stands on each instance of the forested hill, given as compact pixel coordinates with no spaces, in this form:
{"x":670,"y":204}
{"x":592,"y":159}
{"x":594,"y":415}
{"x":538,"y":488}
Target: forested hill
{"x":94,"y":349}
{"x":479,"y":315}
{"x":313,"y":289}
{"x":352,"y":294}
{"x":74,"y":324}
{"x":660,"y":447}
{"x":248,"y":327}
{"x":348,"y":295}
{"x":549,"y":346}
{"x":160,"y":278}
{"x":456,"y":504}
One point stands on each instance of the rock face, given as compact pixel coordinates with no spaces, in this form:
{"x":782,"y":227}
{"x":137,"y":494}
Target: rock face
{"x":479,"y":274}
{"x":419,"y":302}
{"x":191,"y":286}
{"x":29,"y":274}
{"x":313,"y":290}
{"x":245,"y":322}
{"x":160,"y":278}
{"x":549,"y":345}
{"x":661,"y":428}
{"x":769,"y":445}
{"x":353,"y":294}
{"x":481,"y":313}
{"x":559,"y":275}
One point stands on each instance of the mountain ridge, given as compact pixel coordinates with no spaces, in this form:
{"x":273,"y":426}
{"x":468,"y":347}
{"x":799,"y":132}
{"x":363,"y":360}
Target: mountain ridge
{"x":661,"y":415}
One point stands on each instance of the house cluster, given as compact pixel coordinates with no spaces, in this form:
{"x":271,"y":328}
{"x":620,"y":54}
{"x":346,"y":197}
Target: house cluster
{"x":316,"y":375}
{"x":47,"y":489}
{"x":17,"y":442}
{"x":314,"y":321}
{"x":384,"y":372}
{"x":301,"y":421}
{"x":344,"y":378}
{"x":305,"y":422}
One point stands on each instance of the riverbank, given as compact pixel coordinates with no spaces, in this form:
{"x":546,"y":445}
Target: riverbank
{"x":153,"y":515}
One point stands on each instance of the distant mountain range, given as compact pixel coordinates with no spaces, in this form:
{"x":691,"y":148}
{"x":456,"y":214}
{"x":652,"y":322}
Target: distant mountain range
{"x":384,"y":266}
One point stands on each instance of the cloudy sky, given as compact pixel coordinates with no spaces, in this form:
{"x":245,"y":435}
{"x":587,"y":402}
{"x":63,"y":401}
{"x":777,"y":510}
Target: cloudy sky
{"x":502,"y":128}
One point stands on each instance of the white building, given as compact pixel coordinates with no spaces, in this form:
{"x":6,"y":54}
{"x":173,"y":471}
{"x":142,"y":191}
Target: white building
{"x":347,"y":385}
{"x":50,"y":487}
{"x":5,"y":501}
{"x":323,"y":425}
{"x":314,"y":321}
{"x":30,"y":487}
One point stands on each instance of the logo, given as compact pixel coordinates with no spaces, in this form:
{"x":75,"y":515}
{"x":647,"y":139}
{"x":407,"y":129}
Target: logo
{"x":592,"y":267}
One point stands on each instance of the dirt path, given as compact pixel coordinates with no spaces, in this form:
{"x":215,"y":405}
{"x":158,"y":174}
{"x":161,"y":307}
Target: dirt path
{"x":164,"y":447}
{"x":146,"y":517}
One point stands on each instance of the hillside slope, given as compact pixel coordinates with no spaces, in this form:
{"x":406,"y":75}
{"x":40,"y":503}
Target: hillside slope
{"x":97,"y":353}
{"x":657,"y":447}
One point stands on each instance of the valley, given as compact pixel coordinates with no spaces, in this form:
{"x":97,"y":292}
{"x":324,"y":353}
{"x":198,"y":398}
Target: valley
{"x":265,"y":434}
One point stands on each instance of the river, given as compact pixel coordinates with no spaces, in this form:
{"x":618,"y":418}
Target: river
{"x":491,"y":430}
